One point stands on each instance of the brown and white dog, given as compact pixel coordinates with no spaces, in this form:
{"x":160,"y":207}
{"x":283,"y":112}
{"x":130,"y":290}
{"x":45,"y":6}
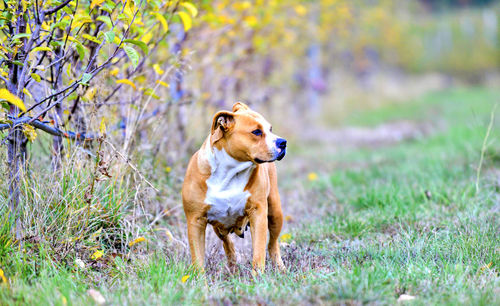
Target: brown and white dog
{"x":231,"y":183}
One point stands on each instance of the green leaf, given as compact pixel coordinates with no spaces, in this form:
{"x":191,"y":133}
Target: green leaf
{"x":80,"y":49}
{"x":139,"y":44}
{"x":124,"y":17}
{"x":110,"y":36}
{"x":22,"y":35}
{"x":68,"y":10}
{"x":106,"y":20}
{"x":132,"y":55}
{"x":150,"y":92}
{"x":57,"y":43}
{"x":5,"y":105}
{"x":86,"y":78}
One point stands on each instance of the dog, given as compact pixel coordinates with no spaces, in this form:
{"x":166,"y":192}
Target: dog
{"x":231,"y":183}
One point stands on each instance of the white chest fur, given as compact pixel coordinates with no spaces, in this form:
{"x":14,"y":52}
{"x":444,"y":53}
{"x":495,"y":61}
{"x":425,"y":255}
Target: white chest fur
{"x":225,"y":187}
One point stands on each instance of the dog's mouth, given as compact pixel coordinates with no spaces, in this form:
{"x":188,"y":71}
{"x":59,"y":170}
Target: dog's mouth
{"x":281,"y":154}
{"x":278,"y":157}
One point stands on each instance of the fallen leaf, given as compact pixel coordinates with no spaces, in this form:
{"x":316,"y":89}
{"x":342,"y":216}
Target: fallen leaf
{"x":97,"y":254}
{"x":96,"y":296}
{"x":169,"y":234}
{"x":185,"y":278}
{"x":405,"y":297}
{"x":137,"y":240}
{"x":486,"y":266}
{"x":285,"y":237}
{"x":312,"y":176}
{"x":288,"y":218}
{"x":79,"y":263}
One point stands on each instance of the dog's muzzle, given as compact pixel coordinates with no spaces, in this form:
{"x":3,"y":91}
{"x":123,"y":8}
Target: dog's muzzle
{"x":281,"y":144}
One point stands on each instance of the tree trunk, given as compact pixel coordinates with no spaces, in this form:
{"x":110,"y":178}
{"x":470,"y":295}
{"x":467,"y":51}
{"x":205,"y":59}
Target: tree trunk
{"x":16,"y":158}
{"x":16,"y":146}
{"x":57,"y":144}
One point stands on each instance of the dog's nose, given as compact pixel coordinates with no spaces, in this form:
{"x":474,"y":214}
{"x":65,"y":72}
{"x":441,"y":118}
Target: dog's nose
{"x":281,"y":143}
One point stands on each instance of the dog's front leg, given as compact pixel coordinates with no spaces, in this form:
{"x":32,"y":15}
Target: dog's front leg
{"x":258,"y":228}
{"x":196,"y":237}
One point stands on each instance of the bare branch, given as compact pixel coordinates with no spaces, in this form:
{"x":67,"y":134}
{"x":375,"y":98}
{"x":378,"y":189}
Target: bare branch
{"x":57,"y":8}
{"x":46,"y":128}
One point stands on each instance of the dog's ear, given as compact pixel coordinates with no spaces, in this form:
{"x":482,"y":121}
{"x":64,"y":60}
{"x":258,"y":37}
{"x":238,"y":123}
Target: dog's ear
{"x":239,"y":105}
{"x":223,"y":121}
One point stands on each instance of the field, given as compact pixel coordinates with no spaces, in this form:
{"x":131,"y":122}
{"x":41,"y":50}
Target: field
{"x":408,"y":215}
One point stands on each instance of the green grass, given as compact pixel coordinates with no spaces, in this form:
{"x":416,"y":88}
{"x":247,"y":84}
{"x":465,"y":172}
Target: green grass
{"x":403,"y":219}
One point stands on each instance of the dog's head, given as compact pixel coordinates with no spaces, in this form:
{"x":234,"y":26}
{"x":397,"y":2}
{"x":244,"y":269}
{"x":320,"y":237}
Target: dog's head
{"x":246,"y":135}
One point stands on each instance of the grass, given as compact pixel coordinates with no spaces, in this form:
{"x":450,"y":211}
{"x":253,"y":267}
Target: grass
{"x":399,"y":219}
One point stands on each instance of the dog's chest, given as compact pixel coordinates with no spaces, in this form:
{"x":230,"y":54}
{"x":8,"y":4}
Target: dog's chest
{"x":226,"y":188}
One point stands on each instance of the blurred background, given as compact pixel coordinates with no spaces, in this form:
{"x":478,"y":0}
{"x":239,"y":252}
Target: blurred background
{"x":314,"y":62}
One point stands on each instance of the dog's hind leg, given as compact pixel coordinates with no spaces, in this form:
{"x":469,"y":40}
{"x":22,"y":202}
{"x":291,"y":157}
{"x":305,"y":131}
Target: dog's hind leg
{"x":228,"y":249}
{"x":275,"y":219}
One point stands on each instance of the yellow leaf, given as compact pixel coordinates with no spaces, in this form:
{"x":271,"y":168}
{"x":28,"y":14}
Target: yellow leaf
{"x":114,"y":71}
{"x":285,"y":237}
{"x":91,"y":38}
{"x":251,"y":21}
{"x":312,"y":176}
{"x":29,"y":132}
{"x":162,"y":20}
{"x":129,"y":9}
{"x":185,"y":278}
{"x":36,"y":77}
{"x":191,"y":8}
{"x":137,"y":240}
{"x":288,"y":218}
{"x":2,"y":276}
{"x":147,"y":37}
{"x":26,"y":92}
{"x":158,"y":69}
{"x":162,"y":83}
{"x":96,"y":3}
{"x":97,"y":254}
{"x":41,"y":49}
{"x":126,"y":81}
{"x":80,"y":21}
{"x":117,"y":40}
{"x":102,"y":126}
{"x":90,"y":94}
{"x":12,"y":99}
{"x":169,"y":234}
{"x":300,"y":10}
{"x":186,"y":20}
{"x":486,"y":266}
{"x":241,"y":6}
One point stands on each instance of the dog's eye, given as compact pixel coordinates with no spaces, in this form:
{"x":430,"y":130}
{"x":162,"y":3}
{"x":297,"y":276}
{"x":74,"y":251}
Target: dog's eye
{"x":257,"y":132}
